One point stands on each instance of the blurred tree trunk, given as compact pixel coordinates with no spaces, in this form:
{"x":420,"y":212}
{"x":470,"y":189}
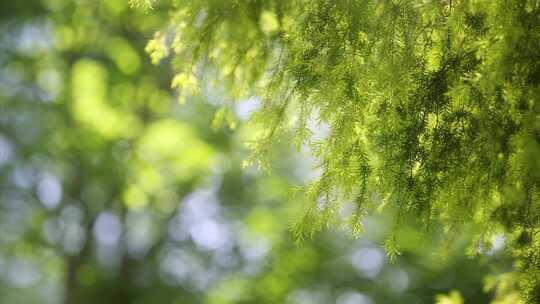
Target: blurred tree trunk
{"x":72,"y":290}
{"x":71,"y":286}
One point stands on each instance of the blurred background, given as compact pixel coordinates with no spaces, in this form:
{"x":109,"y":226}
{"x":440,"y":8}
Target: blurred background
{"x":112,"y":192}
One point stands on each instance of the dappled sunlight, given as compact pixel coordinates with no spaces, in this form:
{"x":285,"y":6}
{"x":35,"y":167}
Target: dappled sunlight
{"x":297,"y":152}
{"x":90,"y":94}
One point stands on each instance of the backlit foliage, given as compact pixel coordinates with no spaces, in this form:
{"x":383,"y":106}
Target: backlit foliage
{"x":146,"y":4}
{"x":433,"y":106}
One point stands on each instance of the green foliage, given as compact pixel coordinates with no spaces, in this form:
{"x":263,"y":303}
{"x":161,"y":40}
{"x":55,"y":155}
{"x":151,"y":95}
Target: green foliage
{"x":453,"y":298}
{"x":146,"y":4}
{"x":432,"y":106}
{"x":110,"y":192}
